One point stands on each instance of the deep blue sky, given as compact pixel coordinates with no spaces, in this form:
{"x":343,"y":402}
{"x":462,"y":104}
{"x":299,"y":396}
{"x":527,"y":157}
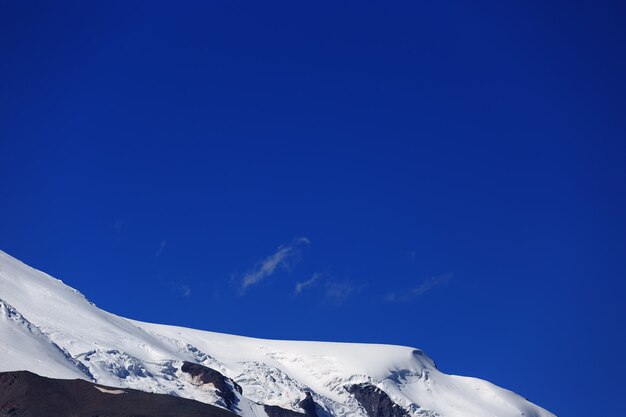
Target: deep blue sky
{"x":458,"y":170}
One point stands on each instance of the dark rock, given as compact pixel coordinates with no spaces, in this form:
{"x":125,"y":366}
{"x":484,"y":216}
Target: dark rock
{"x":308,"y":405}
{"x":375,"y":401}
{"x":224,"y":386}
{"x":24,"y":394}
{"x":276,"y":411}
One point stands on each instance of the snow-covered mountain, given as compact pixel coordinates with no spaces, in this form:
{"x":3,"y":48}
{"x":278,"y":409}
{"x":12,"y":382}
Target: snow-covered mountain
{"x":52,"y":330}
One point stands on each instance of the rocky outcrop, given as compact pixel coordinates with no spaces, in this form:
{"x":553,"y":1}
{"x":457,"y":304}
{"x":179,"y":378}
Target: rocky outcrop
{"x":275,"y":411}
{"x":224,"y":387}
{"x":308,"y":405}
{"x":24,"y":394}
{"x":375,"y":401}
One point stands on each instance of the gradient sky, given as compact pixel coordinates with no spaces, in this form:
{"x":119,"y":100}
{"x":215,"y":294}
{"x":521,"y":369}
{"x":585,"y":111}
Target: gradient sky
{"x":445,"y":175}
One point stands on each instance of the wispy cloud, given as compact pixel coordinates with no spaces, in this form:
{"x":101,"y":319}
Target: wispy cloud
{"x":160,"y":250}
{"x":302,"y":285}
{"x":184,"y":290}
{"x":420,"y":289}
{"x":339,"y":291}
{"x":175,"y":287}
{"x":284,"y":258}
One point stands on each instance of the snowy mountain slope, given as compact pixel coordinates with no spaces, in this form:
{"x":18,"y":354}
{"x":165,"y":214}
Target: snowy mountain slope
{"x":21,"y":343}
{"x":71,"y":338}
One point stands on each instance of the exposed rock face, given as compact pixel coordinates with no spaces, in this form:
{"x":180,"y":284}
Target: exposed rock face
{"x":24,"y":394}
{"x":375,"y":402}
{"x":224,"y":386}
{"x":308,"y":405}
{"x":275,"y":411}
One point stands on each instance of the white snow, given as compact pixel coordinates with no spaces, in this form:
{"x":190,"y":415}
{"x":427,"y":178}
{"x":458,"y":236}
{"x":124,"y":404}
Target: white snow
{"x":24,"y":347}
{"x":110,"y":391}
{"x":51,"y":329}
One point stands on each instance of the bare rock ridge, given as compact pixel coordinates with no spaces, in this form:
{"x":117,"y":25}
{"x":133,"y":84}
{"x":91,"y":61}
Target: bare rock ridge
{"x":308,"y":405}
{"x":227,"y":390}
{"x":375,"y":402}
{"x":225,"y":387}
{"x":24,"y":394}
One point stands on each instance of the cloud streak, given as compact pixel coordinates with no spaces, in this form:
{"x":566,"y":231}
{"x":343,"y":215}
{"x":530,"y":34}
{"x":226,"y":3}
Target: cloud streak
{"x":284,"y":258}
{"x":183,"y":289}
{"x":302,"y":285}
{"x":160,"y":250}
{"x":419,"y":290}
{"x":338,"y":291}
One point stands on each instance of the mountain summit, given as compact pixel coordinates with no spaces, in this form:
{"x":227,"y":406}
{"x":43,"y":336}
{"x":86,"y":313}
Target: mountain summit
{"x":52,"y":330}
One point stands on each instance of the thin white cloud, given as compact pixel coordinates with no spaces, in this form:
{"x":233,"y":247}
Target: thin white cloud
{"x":185,"y":291}
{"x":302,"y":285}
{"x":180,"y":288}
{"x":160,"y":250}
{"x":284,"y":258}
{"x":339,"y":291}
{"x":420,"y":289}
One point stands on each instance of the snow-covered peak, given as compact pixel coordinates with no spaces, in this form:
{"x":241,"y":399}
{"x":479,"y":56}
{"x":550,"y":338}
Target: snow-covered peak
{"x":51,"y":329}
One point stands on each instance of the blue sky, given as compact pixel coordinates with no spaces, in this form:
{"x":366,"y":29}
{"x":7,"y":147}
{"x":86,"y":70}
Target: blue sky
{"x":444,"y":175}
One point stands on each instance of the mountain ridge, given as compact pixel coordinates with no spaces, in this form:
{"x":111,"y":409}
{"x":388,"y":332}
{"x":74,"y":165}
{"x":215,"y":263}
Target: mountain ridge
{"x":111,"y":350}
